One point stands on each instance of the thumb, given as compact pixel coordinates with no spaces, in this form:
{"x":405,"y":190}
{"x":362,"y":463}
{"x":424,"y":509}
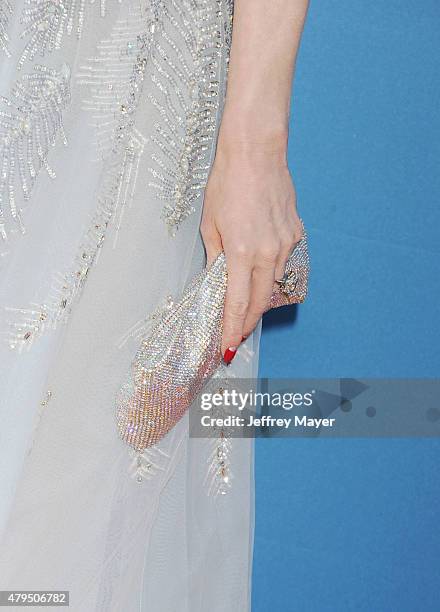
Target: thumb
{"x":212,"y":241}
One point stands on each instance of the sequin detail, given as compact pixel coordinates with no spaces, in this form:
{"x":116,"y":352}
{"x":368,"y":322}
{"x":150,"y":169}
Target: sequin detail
{"x":219,"y":476}
{"x":187,"y":63}
{"x":106,"y":76}
{"x":27,"y":325}
{"x":47,"y":398}
{"x":32,"y":322}
{"x":119,"y":180}
{"x":182,"y":352}
{"x":144,"y":326}
{"x":228,"y":24}
{"x":5,"y":16}
{"x":144,"y":465}
{"x":173,"y":361}
{"x":46,"y":22}
{"x":31,"y":119}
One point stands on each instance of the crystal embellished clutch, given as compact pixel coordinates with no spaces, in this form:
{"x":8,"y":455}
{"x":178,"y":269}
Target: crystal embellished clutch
{"x":183,"y":350}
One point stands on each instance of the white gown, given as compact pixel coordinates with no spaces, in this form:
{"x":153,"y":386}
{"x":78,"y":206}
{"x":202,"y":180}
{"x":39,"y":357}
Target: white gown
{"x":109,"y":113}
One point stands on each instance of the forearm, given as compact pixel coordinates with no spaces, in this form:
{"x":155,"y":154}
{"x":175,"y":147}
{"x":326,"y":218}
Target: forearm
{"x":265,"y":42}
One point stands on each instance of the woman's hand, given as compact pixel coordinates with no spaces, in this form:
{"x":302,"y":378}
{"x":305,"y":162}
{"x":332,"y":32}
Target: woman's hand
{"x":250,"y":205}
{"x":249,"y":213}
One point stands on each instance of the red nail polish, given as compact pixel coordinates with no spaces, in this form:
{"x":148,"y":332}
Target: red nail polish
{"x":229,"y":354}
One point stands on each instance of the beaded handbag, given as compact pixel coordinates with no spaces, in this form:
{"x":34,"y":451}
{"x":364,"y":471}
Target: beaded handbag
{"x":183,"y":350}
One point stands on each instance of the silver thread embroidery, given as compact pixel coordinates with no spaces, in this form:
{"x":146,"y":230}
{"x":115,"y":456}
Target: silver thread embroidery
{"x":219,"y":476}
{"x":119,"y":182}
{"x":106,"y":76}
{"x":5,"y":16}
{"x":31,"y":120}
{"x":46,"y":22}
{"x":146,"y":464}
{"x":29,"y":324}
{"x":186,"y":92}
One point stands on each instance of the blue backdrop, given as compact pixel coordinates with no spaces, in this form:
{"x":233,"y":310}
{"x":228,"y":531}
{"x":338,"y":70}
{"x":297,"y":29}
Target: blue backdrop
{"x":345,"y":525}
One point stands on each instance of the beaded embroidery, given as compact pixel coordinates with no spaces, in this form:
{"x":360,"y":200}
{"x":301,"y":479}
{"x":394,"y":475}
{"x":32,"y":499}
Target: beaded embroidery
{"x":120,"y":176}
{"x":146,"y":464}
{"x":219,"y":475}
{"x":106,"y":76}
{"x":228,"y":23}
{"x":186,"y":92}
{"x":66,"y":288}
{"x":30,"y":122}
{"x":5,"y":15}
{"x":218,"y":479}
{"x":47,"y":21}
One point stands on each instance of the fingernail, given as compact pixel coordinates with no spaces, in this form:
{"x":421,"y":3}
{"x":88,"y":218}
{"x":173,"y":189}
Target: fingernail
{"x":229,"y":354}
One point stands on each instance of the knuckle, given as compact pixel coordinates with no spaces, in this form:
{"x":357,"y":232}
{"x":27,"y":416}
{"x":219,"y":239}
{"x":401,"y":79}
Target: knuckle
{"x":242,"y":251}
{"x":287,"y":244}
{"x":268,"y":253}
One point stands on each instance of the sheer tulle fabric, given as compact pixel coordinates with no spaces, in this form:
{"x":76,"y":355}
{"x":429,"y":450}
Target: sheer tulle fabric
{"x":73,"y":515}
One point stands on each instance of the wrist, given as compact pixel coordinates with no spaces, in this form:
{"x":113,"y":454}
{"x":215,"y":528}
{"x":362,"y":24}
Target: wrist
{"x":252,"y":138}
{"x":263,"y":119}
{"x":252,"y":144}
{"x":241,"y":155}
